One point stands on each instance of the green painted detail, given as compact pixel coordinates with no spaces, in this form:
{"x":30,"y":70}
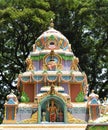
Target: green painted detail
{"x":66,"y":57}
{"x":45,"y":72}
{"x":24,"y":97}
{"x":80,"y":97}
{"x":34,"y":57}
{"x":98,"y":127}
{"x":59,"y":72}
{"x":51,"y":37}
{"x":37,"y":57}
{"x":40,"y":57}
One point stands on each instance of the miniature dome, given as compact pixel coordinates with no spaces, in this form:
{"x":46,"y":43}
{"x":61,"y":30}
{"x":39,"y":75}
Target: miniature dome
{"x":52,"y":39}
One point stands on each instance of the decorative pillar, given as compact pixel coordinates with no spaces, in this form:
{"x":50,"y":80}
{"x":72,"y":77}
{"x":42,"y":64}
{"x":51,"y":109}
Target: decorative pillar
{"x":94,"y":106}
{"x":10,"y":109}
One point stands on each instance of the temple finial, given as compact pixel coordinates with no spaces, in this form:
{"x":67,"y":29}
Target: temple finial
{"x":51,"y":23}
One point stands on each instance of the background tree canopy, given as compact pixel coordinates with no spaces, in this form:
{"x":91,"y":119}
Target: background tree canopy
{"x":84,"y":23}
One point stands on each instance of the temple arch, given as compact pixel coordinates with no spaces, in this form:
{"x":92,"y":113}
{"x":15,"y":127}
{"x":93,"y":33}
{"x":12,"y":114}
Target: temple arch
{"x":59,"y":109}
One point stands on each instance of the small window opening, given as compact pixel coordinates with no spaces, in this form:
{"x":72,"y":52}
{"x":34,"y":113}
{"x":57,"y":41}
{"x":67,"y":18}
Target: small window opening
{"x":51,"y":43}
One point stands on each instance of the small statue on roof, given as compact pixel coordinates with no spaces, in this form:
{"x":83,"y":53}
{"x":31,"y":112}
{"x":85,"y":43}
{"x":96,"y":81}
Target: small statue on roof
{"x":52,"y":89}
{"x":51,"y":23}
{"x":29,"y":63}
{"x":74,"y":65}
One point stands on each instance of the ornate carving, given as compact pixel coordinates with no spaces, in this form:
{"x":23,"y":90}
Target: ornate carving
{"x":74,"y":65}
{"x":52,"y":65}
{"x":52,"y":111}
{"x":29,"y":63}
{"x":52,"y":89}
{"x":52,"y":61}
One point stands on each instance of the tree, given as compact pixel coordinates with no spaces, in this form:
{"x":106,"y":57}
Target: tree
{"x":21,"y":22}
{"x":85,"y":25}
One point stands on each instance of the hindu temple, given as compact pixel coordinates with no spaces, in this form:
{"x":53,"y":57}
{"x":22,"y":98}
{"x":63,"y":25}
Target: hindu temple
{"x":53,"y":89}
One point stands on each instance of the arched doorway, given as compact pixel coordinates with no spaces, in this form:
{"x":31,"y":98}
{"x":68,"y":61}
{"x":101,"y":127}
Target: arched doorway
{"x":52,"y":109}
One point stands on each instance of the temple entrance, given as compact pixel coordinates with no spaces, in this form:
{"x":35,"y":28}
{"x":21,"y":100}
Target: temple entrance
{"x":52,"y":110}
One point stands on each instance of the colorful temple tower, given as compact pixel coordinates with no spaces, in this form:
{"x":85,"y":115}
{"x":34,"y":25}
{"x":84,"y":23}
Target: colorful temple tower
{"x":52,"y":80}
{"x":53,"y":89}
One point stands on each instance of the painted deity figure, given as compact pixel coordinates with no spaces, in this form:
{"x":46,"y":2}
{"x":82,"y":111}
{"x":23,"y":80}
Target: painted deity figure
{"x":51,"y":65}
{"x":52,"y":112}
{"x":60,"y":114}
{"x":29,"y":64}
{"x":74,"y":65}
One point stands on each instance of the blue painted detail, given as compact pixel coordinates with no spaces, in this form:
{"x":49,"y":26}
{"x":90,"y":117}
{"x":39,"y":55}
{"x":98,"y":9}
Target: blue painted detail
{"x":45,"y":38}
{"x":13,"y":113}
{"x":38,"y":77}
{"x":25,"y":78}
{"x":94,"y":101}
{"x":66,"y":77}
{"x":52,"y":77}
{"x":65,"y":48}
{"x":11,"y":101}
{"x":38,"y":48}
{"x":49,"y":58}
{"x":79,"y":78}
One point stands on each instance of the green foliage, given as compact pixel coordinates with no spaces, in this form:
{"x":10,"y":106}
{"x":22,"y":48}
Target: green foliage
{"x":98,"y":127}
{"x":80,"y":97}
{"x":24,"y":97}
{"x":21,"y":22}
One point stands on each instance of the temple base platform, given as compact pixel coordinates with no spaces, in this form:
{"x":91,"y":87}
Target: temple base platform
{"x":43,"y":126}
{"x":54,"y":126}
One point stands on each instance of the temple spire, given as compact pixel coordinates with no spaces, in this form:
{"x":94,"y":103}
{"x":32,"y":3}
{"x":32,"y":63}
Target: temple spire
{"x":51,"y":24}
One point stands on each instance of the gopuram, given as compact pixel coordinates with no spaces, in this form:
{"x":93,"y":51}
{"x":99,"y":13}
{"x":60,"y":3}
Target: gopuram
{"x":53,"y":88}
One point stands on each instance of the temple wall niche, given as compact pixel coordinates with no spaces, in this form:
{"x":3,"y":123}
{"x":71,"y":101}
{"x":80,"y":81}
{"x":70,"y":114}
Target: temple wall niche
{"x":75,"y":88}
{"x":29,"y":89}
